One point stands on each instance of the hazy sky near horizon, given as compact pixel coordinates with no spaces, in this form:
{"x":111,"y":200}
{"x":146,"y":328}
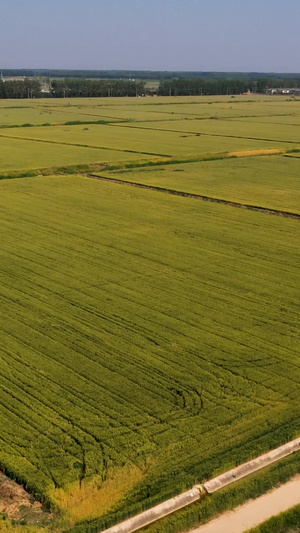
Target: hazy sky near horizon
{"x":199,"y":35}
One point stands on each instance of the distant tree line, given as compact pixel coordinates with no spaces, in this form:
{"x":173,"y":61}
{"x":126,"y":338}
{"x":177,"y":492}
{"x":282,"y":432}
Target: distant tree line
{"x":230,"y":86}
{"x":84,"y":87}
{"x":29,"y":88}
{"x":144,"y":74}
{"x":71,"y":88}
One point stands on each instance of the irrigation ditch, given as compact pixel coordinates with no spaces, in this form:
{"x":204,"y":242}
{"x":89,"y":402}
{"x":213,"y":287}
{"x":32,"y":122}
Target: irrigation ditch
{"x":201,"y":491}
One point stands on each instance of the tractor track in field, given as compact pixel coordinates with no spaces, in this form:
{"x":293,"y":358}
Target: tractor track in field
{"x":249,"y":207}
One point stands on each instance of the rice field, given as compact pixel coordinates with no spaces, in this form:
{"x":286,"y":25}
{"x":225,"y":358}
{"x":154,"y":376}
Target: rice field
{"x":267,"y":181}
{"x":141,"y":139}
{"x":233,"y":128}
{"x":26,"y":154}
{"x":148,"y":341}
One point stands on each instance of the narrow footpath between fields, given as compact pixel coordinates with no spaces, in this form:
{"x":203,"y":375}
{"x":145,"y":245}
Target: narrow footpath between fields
{"x":254,"y":512}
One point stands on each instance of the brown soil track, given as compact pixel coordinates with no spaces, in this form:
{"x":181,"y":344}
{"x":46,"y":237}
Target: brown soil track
{"x":18,"y":504}
{"x":260,"y":209}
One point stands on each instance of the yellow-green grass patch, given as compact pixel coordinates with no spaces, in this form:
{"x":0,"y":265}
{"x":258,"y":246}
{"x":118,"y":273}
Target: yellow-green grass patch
{"x":92,"y":498}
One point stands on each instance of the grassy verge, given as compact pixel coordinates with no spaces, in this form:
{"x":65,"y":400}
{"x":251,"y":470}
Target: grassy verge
{"x":68,"y":123}
{"x":286,"y":522}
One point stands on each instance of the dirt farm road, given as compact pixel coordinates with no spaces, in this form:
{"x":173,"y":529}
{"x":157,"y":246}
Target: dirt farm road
{"x":255,"y":512}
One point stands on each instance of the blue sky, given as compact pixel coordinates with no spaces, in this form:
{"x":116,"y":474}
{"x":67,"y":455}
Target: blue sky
{"x":220,"y":35}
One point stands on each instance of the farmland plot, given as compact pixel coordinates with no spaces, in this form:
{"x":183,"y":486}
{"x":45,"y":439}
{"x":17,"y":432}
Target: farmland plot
{"x":267,"y":181}
{"x":142,"y":139}
{"x":231,"y":128}
{"x":50,"y":114}
{"x":28,"y":116}
{"x":23,"y":154}
{"x":141,"y":331}
{"x":148,"y":341}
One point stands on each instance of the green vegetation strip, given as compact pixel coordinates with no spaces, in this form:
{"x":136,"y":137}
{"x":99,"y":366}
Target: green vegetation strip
{"x":251,"y":466}
{"x":126,"y":166}
{"x":46,"y":124}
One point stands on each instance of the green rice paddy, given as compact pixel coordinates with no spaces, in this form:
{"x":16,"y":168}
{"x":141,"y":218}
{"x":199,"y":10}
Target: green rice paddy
{"x":145,"y":332}
{"x":262,"y":181}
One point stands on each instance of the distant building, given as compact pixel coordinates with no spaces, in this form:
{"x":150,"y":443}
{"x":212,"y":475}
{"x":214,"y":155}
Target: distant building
{"x":45,"y":89}
{"x":284,"y":91}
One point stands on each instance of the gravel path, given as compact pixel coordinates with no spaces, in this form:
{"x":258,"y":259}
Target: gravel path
{"x":256,"y":511}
